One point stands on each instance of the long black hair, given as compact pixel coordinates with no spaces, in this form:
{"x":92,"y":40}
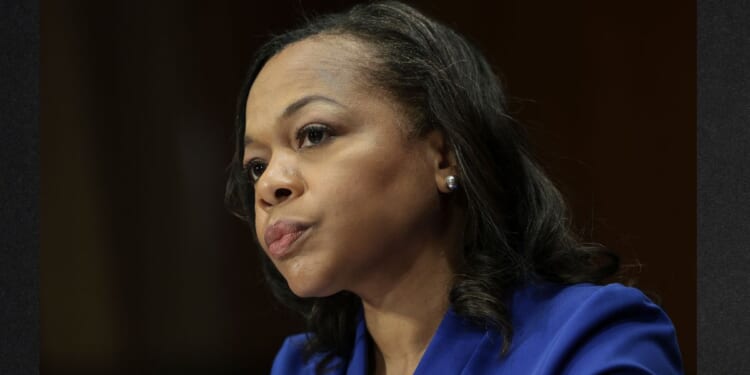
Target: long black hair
{"x":517,"y":227}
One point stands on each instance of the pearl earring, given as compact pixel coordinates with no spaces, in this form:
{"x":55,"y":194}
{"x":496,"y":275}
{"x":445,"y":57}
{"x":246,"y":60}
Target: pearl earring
{"x":452,"y":183}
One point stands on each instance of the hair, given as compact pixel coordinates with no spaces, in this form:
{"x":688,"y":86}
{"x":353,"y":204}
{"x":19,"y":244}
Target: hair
{"x":517,"y":224}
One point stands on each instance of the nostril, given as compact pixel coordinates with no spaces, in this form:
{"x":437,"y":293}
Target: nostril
{"x":282,"y":193}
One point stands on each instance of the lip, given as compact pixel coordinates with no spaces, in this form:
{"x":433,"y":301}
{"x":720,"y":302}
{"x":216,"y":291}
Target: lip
{"x":281,"y":235}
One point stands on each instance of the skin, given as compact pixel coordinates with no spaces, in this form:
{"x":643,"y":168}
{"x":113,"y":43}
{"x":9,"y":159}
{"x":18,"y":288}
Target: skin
{"x":381,"y":226}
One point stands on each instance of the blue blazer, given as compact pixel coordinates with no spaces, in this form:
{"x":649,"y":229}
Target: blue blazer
{"x":578,"y":329}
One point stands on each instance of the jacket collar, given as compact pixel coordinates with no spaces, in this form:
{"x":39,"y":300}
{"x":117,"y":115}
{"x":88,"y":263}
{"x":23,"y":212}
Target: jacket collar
{"x":455,"y":342}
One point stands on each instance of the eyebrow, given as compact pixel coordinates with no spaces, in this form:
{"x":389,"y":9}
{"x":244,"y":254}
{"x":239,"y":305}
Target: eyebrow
{"x":299,"y":104}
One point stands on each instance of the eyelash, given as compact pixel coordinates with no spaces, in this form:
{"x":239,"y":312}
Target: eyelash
{"x":250,"y":167}
{"x":301,"y":137}
{"x":304,"y":132}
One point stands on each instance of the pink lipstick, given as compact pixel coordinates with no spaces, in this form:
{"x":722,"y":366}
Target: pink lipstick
{"x":280,"y":236}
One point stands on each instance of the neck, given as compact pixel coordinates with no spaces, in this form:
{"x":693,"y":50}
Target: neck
{"x":404,"y":316}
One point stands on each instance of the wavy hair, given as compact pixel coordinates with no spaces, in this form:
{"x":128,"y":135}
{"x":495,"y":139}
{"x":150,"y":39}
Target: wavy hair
{"x":517,"y":223}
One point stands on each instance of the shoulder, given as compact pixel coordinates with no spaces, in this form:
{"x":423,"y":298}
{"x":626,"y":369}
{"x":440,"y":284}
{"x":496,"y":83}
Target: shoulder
{"x":561,"y":302}
{"x":585,"y":328}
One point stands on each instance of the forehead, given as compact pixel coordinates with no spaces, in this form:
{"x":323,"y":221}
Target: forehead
{"x":326,"y":65}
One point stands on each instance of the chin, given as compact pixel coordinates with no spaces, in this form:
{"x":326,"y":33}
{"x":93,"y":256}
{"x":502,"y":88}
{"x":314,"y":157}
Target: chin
{"x":310,"y":277}
{"x":311,"y":287}
{"x":310,"y":291}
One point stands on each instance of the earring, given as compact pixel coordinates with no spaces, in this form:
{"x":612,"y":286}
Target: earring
{"x":452,"y":183}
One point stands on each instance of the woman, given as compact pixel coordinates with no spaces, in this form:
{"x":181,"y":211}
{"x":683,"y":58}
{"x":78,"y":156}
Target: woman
{"x":401,"y":214}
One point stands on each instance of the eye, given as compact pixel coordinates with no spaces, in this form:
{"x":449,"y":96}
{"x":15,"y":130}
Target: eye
{"x":312,"y":135}
{"x":254,"y":169}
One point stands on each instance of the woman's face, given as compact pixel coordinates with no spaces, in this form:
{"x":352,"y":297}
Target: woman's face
{"x":342,"y":198}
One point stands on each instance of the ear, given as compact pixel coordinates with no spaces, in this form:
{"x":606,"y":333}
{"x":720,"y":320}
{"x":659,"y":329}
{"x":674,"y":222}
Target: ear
{"x":442,"y":158}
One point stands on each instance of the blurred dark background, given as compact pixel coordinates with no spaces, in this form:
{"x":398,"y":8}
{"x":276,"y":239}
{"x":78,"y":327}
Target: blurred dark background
{"x":142,"y":269}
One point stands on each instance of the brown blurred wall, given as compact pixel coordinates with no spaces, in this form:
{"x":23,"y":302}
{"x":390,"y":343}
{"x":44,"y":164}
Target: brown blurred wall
{"x":143,"y":271}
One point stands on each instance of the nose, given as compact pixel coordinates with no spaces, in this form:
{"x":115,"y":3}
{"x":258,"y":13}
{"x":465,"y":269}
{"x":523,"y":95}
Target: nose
{"x":280,"y":182}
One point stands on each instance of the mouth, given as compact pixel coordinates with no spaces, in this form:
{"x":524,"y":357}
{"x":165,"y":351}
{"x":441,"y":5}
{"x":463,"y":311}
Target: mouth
{"x":280,"y":237}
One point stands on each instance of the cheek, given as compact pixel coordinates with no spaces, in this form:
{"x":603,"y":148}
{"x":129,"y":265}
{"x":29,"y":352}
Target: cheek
{"x":363,"y":182}
{"x":379,"y":197}
{"x":260,"y":218}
